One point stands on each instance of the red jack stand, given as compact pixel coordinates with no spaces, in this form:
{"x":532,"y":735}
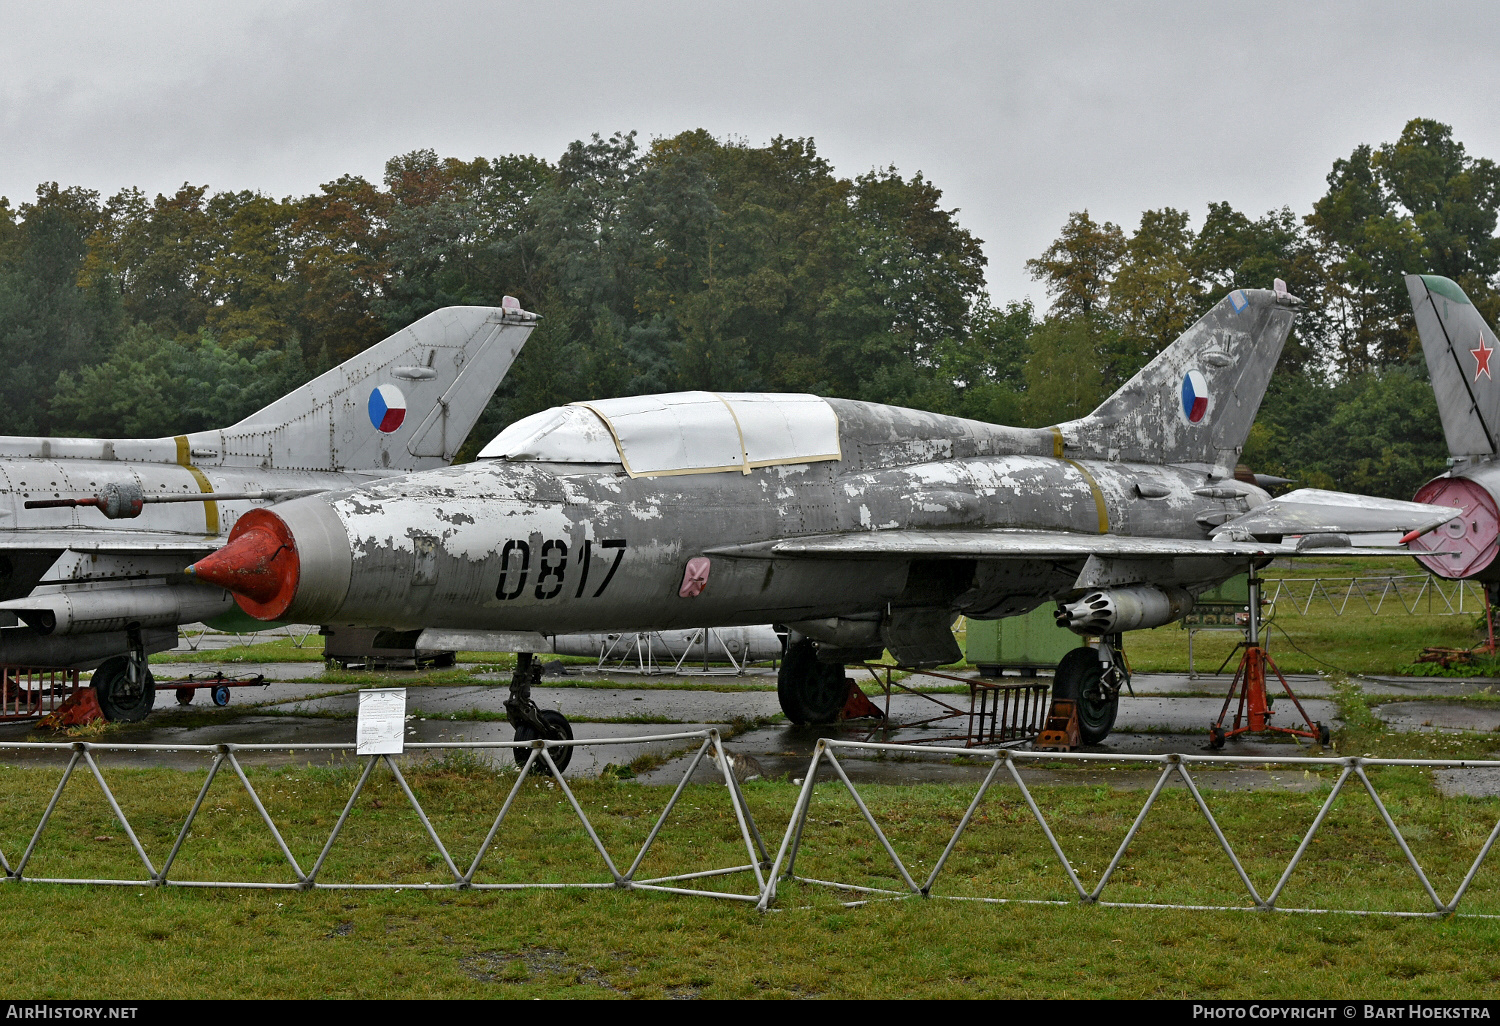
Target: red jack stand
{"x":1490,"y":590}
{"x":1250,"y":682}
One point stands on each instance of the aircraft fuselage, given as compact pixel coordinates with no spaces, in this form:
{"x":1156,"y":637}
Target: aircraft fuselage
{"x":501,"y":545}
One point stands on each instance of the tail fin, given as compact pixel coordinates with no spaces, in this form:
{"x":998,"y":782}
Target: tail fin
{"x":1196,"y":401}
{"x":1457,"y":344}
{"x":406,"y":403}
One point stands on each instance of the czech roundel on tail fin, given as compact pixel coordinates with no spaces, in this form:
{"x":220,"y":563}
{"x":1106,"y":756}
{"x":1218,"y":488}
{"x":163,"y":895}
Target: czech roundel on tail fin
{"x":1194,"y":403}
{"x":406,"y":403}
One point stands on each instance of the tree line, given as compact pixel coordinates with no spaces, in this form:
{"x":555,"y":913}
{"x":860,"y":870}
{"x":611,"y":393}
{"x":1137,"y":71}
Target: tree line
{"x":695,"y":262}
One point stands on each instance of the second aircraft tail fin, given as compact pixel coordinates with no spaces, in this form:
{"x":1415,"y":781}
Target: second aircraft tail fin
{"x":1457,"y":345}
{"x":406,"y":403}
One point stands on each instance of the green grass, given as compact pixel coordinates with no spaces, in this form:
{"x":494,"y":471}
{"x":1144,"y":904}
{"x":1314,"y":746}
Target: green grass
{"x":279,"y":649}
{"x":141,"y":943}
{"x":1358,"y":641}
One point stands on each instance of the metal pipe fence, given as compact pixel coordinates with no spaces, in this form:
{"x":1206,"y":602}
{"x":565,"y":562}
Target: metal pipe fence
{"x":772,"y":874}
{"x":1406,"y":591}
{"x":1172,"y":765}
{"x":539,"y":760}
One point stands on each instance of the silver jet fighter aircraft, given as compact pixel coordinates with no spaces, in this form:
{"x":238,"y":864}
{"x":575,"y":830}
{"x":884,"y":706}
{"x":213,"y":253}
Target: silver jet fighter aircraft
{"x":861,"y":527}
{"x":95,"y":533}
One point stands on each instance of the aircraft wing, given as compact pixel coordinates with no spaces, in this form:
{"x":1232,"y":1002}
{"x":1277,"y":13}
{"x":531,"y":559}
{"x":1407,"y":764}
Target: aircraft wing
{"x":1315,"y":511}
{"x":84,"y":539}
{"x":1020,"y":544}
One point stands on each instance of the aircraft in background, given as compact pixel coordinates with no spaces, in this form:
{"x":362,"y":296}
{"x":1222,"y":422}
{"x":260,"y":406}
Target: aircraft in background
{"x":645,"y":650}
{"x":859,"y":526}
{"x":1458,"y":346}
{"x":103,"y":586}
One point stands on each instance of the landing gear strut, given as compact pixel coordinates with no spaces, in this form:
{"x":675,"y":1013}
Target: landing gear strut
{"x":1093,"y":677}
{"x":123,"y":684}
{"x":532,"y":723}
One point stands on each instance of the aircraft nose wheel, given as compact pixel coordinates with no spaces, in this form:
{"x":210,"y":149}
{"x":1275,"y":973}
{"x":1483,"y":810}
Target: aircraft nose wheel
{"x":532,"y":723}
{"x":558,"y":729}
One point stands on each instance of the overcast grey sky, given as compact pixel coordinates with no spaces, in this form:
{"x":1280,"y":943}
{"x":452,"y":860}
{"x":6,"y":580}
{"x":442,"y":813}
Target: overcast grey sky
{"x":1020,"y":112}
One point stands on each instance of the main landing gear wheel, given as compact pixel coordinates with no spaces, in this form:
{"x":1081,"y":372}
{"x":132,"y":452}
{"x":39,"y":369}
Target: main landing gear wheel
{"x":1080,"y":676}
{"x":121,"y":699}
{"x":810,"y":691}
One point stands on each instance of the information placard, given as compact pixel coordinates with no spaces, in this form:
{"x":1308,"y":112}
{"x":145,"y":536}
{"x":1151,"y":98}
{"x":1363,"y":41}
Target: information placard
{"x":382,"y":721}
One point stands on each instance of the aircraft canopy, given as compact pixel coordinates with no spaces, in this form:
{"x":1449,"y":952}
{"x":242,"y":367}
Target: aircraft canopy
{"x":678,"y":433}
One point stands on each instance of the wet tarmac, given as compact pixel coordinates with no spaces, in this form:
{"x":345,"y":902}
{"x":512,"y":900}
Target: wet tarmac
{"x":299,"y":711}
{"x":1166,"y":713}
{"x":1442,"y":716}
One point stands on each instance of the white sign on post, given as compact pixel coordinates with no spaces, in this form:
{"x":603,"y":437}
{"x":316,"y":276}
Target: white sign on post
{"x":382,"y":722}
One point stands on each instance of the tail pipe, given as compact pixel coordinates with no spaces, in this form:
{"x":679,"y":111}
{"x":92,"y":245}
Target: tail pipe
{"x":1111,"y":610}
{"x":294,"y":563}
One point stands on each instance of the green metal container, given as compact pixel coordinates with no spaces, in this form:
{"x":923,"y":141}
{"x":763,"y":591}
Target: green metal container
{"x":1235,"y":591}
{"x":1221,"y":606}
{"x":1026,"y":643}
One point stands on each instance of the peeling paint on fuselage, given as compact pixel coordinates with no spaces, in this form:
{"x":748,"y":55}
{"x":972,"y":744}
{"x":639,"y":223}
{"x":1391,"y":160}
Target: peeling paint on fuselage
{"x":558,"y":529}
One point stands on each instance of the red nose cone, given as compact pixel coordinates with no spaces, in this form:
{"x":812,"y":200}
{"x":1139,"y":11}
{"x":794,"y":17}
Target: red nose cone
{"x":259,"y":566}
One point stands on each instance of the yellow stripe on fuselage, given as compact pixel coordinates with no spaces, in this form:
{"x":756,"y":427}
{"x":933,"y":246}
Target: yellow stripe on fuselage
{"x":1098,"y":495}
{"x":210,"y":508}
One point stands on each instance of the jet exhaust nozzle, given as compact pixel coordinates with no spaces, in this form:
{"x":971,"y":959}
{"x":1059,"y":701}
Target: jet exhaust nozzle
{"x":259,"y":565}
{"x":1465,"y":546}
{"x":1111,"y":610}
{"x":295,"y":562}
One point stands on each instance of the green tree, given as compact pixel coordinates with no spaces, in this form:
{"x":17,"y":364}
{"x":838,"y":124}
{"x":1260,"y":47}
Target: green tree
{"x":1063,"y":376}
{"x":154,"y":384}
{"x":1155,"y":295}
{"x":1078,"y":268}
{"x":55,"y":311}
{"x":1418,"y":204}
{"x":340,"y":242}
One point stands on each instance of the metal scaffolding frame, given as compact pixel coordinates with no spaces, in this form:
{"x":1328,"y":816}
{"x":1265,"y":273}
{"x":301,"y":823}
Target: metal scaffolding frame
{"x":1346,"y":589}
